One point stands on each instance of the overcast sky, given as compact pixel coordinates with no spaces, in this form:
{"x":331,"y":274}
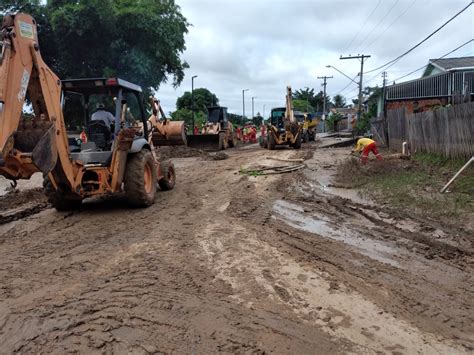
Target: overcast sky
{"x":265,"y":45}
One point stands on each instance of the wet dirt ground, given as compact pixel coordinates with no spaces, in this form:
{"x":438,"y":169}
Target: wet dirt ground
{"x":232,"y":263}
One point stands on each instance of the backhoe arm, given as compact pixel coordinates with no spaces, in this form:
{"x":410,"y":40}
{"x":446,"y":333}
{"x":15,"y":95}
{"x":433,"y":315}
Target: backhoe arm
{"x":289,"y":114}
{"x":32,"y":145}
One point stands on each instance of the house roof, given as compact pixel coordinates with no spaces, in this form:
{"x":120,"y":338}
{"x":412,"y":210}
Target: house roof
{"x":447,"y":64}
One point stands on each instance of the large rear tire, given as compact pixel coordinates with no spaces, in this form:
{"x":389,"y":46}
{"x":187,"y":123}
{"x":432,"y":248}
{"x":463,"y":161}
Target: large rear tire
{"x":297,"y":144}
{"x":169,"y":176}
{"x":59,"y":200}
{"x":232,"y":140}
{"x":222,"y":141}
{"x":271,"y":141}
{"x":140,"y":179}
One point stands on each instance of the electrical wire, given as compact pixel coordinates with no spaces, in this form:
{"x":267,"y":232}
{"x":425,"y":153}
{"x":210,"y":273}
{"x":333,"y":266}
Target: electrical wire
{"x":424,"y":66}
{"x":393,"y":61}
{"x":378,"y":24}
{"x":350,"y":82}
{"x":362,"y":27}
{"x":390,"y":25}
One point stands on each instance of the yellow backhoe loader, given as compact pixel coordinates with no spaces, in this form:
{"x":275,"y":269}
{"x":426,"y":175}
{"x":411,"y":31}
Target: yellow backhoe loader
{"x":217,"y":133}
{"x":118,"y":156}
{"x":283,"y":128}
{"x":164,"y":131}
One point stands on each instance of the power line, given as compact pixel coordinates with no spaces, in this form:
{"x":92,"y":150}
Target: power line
{"x":365,"y":22}
{"x":414,"y":71}
{"x":393,"y":61}
{"x":378,"y":24}
{"x":424,"y":66}
{"x":350,"y":82}
{"x":390,"y":25}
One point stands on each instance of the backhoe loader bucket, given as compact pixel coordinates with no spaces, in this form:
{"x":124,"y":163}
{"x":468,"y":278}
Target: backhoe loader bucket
{"x":169,"y":133}
{"x":209,"y":142}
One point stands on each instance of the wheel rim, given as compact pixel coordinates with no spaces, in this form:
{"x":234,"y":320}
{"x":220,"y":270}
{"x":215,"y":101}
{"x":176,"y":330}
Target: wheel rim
{"x":148,"y":178}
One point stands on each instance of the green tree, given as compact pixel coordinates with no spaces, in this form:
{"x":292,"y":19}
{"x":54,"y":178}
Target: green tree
{"x":140,"y":41}
{"x":186,"y":115}
{"x":315,"y":100}
{"x":237,"y":120}
{"x":338,"y":101}
{"x":203,"y":98}
{"x":333,"y":120}
{"x":302,"y":105}
{"x":257,"y":120}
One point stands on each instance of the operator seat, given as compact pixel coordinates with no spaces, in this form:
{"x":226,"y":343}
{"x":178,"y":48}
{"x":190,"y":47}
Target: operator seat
{"x":100,"y":134}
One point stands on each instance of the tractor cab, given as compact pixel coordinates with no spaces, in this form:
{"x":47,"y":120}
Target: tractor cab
{"x":217,"y":114}
{"x":95,"y":110}
{"x":277,"y":118}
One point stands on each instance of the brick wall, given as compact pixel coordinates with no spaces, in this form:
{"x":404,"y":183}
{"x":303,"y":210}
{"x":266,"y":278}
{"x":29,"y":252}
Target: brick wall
{"x":410,"y":105}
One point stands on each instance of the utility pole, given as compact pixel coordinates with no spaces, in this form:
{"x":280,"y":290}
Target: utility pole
{"x":192,"y":99}
{"x":385,"y":123}
{"x":324,"y":95}
{"x":243,"y":104}
{"x":361,"y":74}
{"x":264,"y":111}
{"x":253,"y":97}
{"x":384,"y":76}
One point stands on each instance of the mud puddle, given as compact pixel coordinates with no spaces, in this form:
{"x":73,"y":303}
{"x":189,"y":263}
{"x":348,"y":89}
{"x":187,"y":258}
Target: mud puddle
{"x":295,"y":216}
{"x":321,"y":179}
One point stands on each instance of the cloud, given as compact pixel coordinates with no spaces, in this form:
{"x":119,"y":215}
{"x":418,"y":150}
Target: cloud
{"x":265,"y":45}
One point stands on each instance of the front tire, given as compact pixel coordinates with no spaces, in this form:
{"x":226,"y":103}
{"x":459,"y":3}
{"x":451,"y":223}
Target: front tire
{"x":297,"y":144}
{"x":168,"y":180}
{"x":271,"y":141}
{"x":140,"y":179}
{"x":306,"y":137}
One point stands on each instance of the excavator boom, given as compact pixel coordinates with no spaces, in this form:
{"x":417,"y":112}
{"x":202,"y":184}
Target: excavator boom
{"x":34,"y":145}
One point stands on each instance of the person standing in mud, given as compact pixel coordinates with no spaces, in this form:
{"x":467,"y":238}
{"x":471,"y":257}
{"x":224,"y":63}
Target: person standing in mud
{"x":366,"y":145}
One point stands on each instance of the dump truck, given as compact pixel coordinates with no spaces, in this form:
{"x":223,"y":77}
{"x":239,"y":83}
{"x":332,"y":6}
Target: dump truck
{"x":283,"y":127}
{"x":217,"y":133}
{"x":117,"y":156}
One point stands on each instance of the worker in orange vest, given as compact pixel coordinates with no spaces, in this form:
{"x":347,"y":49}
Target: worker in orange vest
{"x":83,"y":136}
{"x":367,"y":145}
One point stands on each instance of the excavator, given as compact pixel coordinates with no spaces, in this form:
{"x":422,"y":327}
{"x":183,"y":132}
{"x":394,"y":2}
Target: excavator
{"x":283,"y":128}
{"x":165,"y":132}
{"x":217,"y":133}
{"x":36,"y":133}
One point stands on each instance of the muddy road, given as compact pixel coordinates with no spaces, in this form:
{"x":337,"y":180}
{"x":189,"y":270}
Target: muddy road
{"x":236,"y":264}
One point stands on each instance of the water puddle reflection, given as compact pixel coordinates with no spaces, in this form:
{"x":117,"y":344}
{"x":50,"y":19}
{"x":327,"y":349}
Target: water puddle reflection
{"x":316,"y":223}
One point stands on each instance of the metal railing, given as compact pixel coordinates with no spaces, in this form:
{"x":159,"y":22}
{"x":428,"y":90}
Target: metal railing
{"x":441,"y":85}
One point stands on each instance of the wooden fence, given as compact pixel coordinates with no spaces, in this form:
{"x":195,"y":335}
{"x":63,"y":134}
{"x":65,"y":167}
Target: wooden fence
{"x":448,"y":131}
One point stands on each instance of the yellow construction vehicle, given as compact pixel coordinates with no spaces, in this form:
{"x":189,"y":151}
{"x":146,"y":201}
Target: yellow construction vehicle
{"x":217,"y":133}
{"x":309,"y":127}
{"x":283,"y":127}
{"x":165,"y":132}
{"x":117,"y":156}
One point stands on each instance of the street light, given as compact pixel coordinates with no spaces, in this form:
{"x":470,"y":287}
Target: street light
{"x":243,"y":103}
{"x":331,"y":66}
{"x":192,"y":98}
{"x":253,"y":97}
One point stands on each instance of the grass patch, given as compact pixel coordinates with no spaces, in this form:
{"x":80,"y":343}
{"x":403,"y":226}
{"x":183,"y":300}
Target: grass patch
{"x":413,"y":185}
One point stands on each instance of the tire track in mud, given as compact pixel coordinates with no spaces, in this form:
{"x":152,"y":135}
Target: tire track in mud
{"x":442,"y":274}
{"x":208,"y":269}
{"x":111,"y":279}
